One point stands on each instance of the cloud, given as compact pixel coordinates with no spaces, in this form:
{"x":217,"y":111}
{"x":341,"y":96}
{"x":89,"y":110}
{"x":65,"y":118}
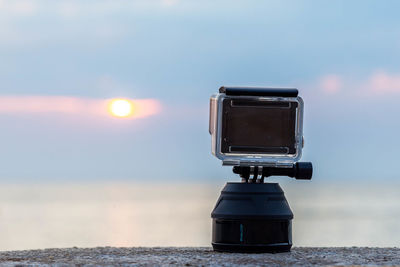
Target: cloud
{"x":381,"y":82}
{"x":73,"y":8}
{"x":76,"y":22}
{"x":377,"y":83}
{"x":331,"y":84}
{"x":26,"y":23}
{"x":72,"y":106}
{"x":18,"y":7}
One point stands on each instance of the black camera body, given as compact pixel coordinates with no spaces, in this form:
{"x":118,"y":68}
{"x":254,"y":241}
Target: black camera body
{"x":258,"y":131}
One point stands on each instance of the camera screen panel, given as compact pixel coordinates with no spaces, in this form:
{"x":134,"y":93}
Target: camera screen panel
{"x":258,"y":127}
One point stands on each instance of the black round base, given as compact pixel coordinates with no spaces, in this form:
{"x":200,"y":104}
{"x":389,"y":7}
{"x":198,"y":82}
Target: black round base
{"x":252,"y":218}
{"x":234,"y":248}
{"x":251,"y":236}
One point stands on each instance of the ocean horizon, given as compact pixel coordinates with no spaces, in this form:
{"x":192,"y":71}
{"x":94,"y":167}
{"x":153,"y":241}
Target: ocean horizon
{"x":128,"y":214}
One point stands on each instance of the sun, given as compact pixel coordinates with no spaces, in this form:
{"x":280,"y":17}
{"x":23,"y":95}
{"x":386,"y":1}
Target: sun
{"x":121,"y":108}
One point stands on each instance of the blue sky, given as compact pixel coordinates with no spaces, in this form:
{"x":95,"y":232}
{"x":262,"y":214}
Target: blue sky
{"x":342,"y":55}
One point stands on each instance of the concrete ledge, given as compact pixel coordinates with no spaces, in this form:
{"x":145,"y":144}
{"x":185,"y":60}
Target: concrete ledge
{"x":198,"y":256}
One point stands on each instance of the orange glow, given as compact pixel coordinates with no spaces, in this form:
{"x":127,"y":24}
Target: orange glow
{"x":82,"y":107}
{"x":122,"y":108}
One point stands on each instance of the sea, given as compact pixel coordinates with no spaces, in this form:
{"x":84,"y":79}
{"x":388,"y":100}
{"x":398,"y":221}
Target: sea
{"x":127,"y":214}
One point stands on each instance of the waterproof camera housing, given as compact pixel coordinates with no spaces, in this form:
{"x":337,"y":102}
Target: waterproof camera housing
{"x":258,"y":131}
{"x":256,"y":126}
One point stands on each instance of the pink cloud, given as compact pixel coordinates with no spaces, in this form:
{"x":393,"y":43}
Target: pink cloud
{"x":72,"y":105}
{"x":382,"y":82}
{"x":21,"y":7}
{"x":331,"y":84}
{"x":377,"y":83}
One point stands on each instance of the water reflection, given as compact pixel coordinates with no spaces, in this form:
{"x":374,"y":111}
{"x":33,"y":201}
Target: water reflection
{"x":130,"y":214}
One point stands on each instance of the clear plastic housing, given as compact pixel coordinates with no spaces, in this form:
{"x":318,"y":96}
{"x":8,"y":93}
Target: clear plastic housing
{"x":256,"y":130}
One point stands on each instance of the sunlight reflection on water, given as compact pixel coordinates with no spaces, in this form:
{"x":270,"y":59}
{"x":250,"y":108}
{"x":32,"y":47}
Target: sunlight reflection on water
{"x":129,"y":214}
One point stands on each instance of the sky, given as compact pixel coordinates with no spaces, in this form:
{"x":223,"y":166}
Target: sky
{"x":60,"y":58}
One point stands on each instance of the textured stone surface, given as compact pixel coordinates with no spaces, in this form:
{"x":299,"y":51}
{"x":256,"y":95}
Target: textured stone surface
{"x":198,"y":256}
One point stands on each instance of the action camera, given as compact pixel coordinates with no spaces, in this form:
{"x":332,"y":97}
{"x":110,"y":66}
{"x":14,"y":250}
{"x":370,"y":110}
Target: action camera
{"x":258,"y":131}
{"x":257,"y":126}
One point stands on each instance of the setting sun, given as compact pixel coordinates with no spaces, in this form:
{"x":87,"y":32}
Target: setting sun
{"x":121,"y":108}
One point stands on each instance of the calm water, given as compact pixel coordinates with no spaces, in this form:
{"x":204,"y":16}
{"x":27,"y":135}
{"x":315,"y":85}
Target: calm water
{"x":130,"y":214}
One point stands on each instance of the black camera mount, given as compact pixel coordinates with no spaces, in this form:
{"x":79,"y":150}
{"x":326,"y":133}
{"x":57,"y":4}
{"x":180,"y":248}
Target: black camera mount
{"x":299,"y":171}
{"x":253,"y":216}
